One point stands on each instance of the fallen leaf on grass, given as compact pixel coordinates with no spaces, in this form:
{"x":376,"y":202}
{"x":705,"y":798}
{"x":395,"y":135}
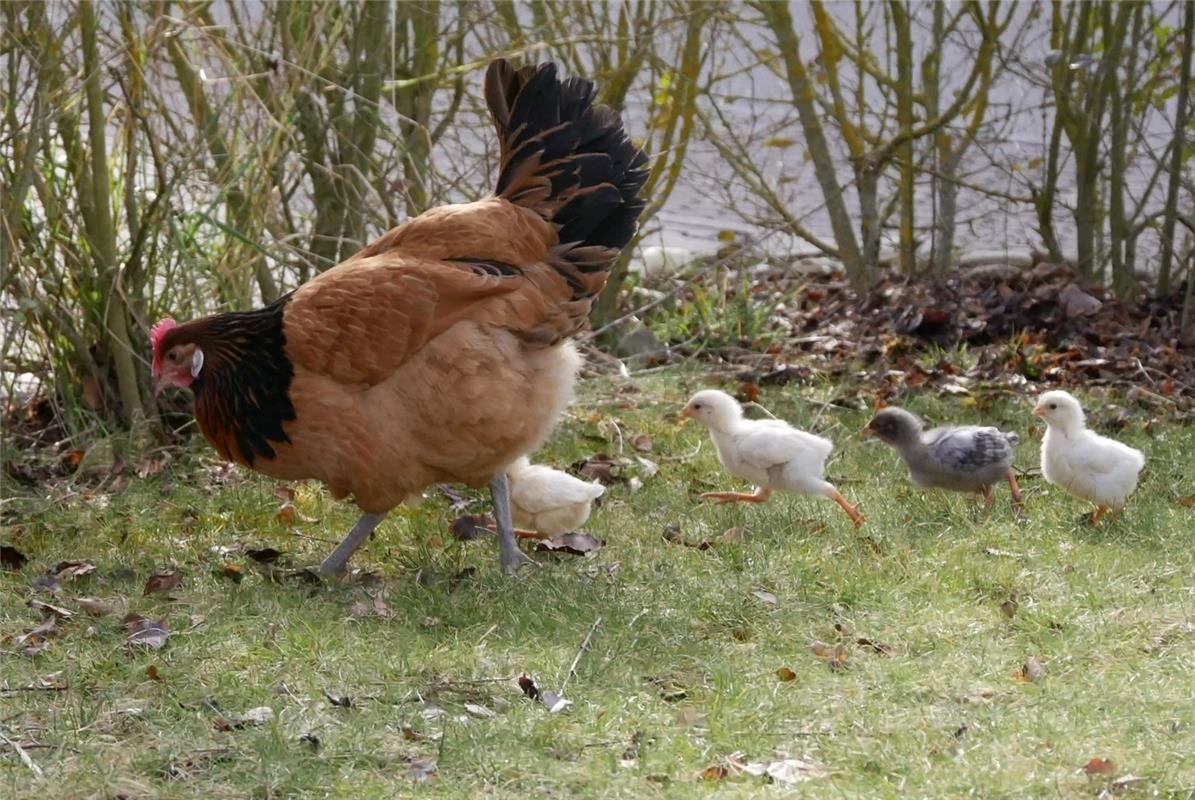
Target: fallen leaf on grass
{"x":1031,"y":671}
{"x":555,"y":703}
{"x":836,"y":657}
{"x":786,"y":675}
{"x":340,"y":701}
{"x":578,"y":544}
{"x":875,"y":647}
{"x":93,"y":607}
{"x":232,"y":572}
{"x":471,"y":526}
{"x":311,"y":740}
{"x":766,"y":597}
{"x":250,"y":719}
{"x":152,"y":673}
{"x":36,"y":639}
{"x":1099,"y":766}
{"x":784,"y":770}
{"x":641,"y":442}
{"x":265,"y":555}
{"x":152,"y":466}
{"x":673,"y":535}
{"x":715,"y":773}
{"x":145,"y":632}
{"x":1185,"y":502}
{"x":49,"y":610}
{"x":284,"y":493}
{"x":604,"y":468}
{"x":480,"y":711}
{"x":12,"y":558}
{"x":65,"y":570}
{"x":162,"y":582}
{"x":1126,"y":783}
{"x":1009,"y":607}
{"x":423,"y":771}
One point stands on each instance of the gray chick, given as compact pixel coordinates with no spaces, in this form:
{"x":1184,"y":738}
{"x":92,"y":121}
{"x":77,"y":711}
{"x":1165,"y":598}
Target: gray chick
{"x":962,"y":458}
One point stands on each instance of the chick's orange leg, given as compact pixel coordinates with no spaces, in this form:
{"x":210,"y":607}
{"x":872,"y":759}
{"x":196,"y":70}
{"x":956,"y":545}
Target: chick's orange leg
{"x":989,"y":497}
{"x":852,"y":512}
{"x":1018,"y":502}
{"x":760,"y":496}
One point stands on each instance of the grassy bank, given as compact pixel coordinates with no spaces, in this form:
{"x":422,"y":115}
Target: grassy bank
{"x":937,"y":606}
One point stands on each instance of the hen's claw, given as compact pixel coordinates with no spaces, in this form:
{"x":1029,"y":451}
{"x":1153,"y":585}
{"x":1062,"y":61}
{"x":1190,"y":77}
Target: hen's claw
{"x":513,"y":559}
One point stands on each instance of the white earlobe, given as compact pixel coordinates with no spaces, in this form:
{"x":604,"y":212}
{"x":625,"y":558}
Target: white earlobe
{"x":196,"y":363}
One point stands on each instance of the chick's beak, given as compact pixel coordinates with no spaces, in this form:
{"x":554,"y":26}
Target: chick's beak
{"x":867,"y":432}
{"x":684,"y":416}
{"x":1039,"y":411}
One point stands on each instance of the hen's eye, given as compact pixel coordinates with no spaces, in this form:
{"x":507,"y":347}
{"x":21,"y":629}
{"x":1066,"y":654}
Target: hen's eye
{"x":173,"y":356}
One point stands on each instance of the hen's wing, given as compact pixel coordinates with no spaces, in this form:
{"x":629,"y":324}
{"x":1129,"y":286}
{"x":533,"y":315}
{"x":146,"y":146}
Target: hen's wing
{"x":544,"y":489}
{"x":967,"y":449}
{"x":770,"y":443}
{"x":359,"y":322}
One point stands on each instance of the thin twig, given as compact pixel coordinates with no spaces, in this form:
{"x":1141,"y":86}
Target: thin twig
{"x":20,"y":751}
{"x":572,"y":670}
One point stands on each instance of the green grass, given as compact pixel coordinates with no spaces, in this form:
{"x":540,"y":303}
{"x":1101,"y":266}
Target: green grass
{"x":1110,"y":610}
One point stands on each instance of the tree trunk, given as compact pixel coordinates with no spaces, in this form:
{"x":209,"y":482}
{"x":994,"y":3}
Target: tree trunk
{"x":1170,"y":215}
{"x":904,"y":121}
{"x":101,"y":233}
{"x":859,"y":271}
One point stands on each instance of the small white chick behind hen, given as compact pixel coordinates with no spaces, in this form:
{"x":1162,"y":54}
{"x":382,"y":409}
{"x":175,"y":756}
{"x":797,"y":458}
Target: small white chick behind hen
{"x":547,"y":500}
{"x":769,"y":453}
{"x":1092,"y":467}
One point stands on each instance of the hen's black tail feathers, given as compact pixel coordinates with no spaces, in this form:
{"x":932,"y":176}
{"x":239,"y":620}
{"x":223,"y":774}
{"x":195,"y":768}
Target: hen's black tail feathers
{"x":571,"y":162}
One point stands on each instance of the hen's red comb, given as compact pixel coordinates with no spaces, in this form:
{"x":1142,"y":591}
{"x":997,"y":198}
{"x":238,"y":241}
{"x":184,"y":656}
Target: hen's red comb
{"x":156,"y":333}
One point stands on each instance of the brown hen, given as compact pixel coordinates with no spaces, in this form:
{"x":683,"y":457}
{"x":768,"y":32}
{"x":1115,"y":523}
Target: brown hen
{"x":441,"y":352}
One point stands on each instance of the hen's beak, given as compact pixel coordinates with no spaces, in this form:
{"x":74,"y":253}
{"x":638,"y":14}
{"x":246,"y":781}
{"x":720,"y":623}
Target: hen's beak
{"x":867,"y":432}
{"x":161,"y":385}
{"x":1039,"y":411}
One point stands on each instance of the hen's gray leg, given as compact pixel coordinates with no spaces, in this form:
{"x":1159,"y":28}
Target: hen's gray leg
{"x":510,"y":554}
{"x":335,"y":562}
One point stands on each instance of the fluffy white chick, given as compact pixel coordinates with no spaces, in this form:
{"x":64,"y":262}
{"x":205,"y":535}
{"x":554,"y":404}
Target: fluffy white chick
{"x":1087,"y":465}
{"x":769,"y":453}
{"x":547,"y":500}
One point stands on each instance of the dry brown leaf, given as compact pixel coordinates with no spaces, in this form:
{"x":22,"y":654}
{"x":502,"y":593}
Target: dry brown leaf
{"x":162,"y":582}
{"x":876,"y":647}
{"x":284,"y":493}
{"x":1188,"y":501}
{"x":786,"y":675}
{"x":145,"y":632}
{"x":836,"y":657}
{"x":1099,"y":766}
{"x":94,"y":607}
{"x":641,"y":442}
{"x":1031,"y":671}
{"x":266,"y":555}
{"x":73,"y":569}
{"x":12,"y":558}
{"x":715,"y":773}
{"x":1009,"y":607}
{"x":152,"y":673}
{"x":49,"y":610}
{"x":577,"y":544}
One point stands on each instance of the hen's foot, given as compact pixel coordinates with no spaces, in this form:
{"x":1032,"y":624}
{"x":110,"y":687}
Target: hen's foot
{"x":513,"y":559}
{"x":336,"y":561}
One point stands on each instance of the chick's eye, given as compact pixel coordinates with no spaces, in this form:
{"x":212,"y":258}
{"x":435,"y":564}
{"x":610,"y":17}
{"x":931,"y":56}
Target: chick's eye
{"x":1053,"y":406}
{"x":697,"y":406}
